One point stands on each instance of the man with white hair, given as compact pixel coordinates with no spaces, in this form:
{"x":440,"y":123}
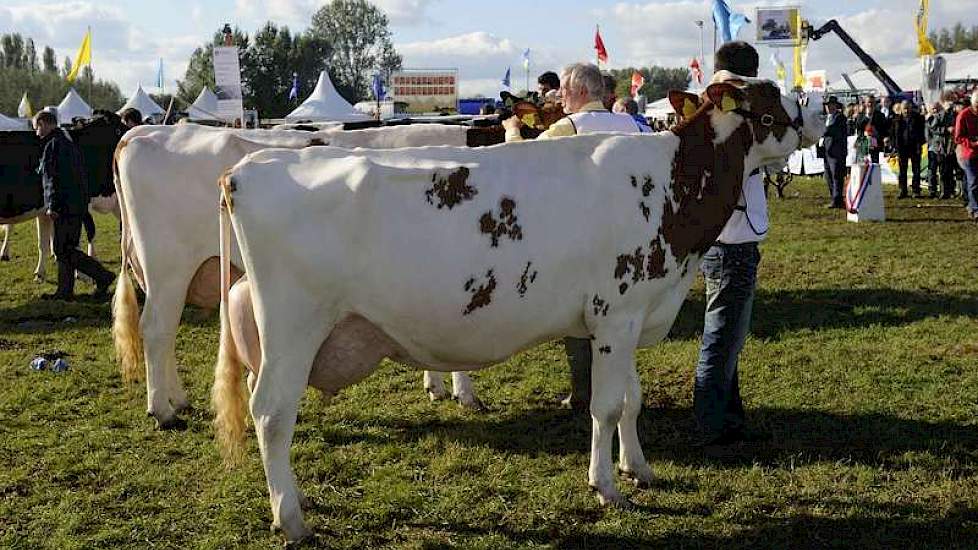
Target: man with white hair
{"x":582,"y":90}
{"x":966,"y":137}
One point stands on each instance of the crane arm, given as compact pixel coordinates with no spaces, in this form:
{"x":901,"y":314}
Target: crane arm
{"x":892,"y":88}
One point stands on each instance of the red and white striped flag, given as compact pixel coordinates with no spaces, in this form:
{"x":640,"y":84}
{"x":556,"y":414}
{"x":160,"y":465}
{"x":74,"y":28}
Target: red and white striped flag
{"x":695,"y":71}
{"x":637,"y":81}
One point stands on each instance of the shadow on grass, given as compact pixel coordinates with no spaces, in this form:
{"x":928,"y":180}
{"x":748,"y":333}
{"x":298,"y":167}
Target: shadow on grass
{"x":797,"y":437}
{"x":782,"y":311}
{"x":43,"y":316}
{"x":888,"y":526}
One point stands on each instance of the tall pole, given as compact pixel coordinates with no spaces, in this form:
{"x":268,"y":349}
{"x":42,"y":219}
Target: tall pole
{"x":699,"y":23}
{"x":597,"y":56}
{"x":91,"y":70}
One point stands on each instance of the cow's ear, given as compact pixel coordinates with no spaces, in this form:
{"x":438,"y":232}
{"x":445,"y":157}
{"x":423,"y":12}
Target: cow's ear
{"x":725,"y":95}
{"x":684,"y":103}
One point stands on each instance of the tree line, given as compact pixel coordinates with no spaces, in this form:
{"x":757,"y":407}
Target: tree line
{"x":45,"y":83}
{"x":955,"y":39}
{"x":658,"y":81}
{"x":348,"y":38}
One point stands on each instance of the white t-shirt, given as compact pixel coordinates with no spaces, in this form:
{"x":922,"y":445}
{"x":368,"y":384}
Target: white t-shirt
{"x":749,"y":222}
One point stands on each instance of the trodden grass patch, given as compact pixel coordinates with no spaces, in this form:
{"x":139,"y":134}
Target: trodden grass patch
{"x":863,"y":366}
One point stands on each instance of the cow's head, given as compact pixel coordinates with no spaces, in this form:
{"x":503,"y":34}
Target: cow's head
{"x":778,"y":124}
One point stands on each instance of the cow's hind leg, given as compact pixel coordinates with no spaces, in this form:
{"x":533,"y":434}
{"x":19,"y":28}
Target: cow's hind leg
{"x":612,"y":374}
{"x":45,"y":232}
{"x":159,"y":321}
{"x":285,"y":366}
{"x":5,"y":248}
{"x":632,"y":463}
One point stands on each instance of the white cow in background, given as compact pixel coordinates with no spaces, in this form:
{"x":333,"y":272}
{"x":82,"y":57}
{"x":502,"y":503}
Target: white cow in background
{"x":460,"y":262}
{"x":165,"y":186}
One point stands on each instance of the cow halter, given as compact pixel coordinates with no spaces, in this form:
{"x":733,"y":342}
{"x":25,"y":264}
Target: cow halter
{"x":767,"y":119}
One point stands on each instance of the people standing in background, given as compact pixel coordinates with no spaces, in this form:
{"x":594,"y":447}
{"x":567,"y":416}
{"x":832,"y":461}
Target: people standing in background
{"x":629,"y":107}
{"x":870,"y":116}
{"x":907,"y":138}
{"x":940,"y":157}
{"x":610,"y":95}
{"x":852,"y":111}
{"x":835,"y":142}
{"x":548,"y":86}
{"x":66,"y":202}
{"x":966,"y":138}
{"x":131,"y":117}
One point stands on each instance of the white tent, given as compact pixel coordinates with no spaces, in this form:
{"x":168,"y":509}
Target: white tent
{"x":8,"y":124}
{"x":325,"y":103}
{"x":659,"y":109}
{"x":204,"y":107}
{"x":73,"y":106}
{"x":143,"y":103}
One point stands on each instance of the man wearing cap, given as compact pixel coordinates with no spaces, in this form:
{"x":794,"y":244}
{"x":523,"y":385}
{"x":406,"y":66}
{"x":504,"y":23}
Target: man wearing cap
{"x":835,"y":144}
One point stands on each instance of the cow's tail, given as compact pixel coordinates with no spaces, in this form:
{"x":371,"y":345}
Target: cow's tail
{"x":125,"y":310}
{"x":228,"y":396}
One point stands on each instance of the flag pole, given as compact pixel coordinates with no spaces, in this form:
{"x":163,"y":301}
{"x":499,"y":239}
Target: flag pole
{"x":91,"y":70}
{"x":597,"y":56}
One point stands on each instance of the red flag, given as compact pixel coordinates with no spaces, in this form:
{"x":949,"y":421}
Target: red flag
{"x":637,"y":81}
{"x":695,"y":71}
{"x":599,"y":46}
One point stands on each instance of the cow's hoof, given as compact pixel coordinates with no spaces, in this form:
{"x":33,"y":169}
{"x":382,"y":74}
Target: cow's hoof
{"x":437,"y":394}
{"x":611,"y":498}
{"x":4,"y":258}
{"x":38,"y":279}
{"x":294,"y":536}
{"x":471,"y":402}
{"x":641,"y":478}
{"x":173,"y":423}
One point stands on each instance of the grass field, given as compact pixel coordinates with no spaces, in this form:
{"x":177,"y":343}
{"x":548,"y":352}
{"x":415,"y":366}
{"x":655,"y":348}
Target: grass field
{"x":863,"y":365}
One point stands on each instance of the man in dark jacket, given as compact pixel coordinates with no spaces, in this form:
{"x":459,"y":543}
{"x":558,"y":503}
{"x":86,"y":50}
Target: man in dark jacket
{"x":908,"y":138}
{"x":66,"y":200}
{"x":940,"y":149}
{"x":836,"y":145}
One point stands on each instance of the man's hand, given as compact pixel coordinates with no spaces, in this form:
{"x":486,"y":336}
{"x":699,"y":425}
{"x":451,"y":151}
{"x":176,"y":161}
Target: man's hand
{"x":52,"y":214}
{"x":513,"y":123}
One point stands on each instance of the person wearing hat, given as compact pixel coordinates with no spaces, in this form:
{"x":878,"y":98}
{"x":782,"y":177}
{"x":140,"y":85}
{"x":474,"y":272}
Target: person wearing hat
{"x":835,"y":144}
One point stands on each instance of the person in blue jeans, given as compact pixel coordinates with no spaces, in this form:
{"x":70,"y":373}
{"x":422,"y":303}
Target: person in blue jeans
{"x":730,"y":271}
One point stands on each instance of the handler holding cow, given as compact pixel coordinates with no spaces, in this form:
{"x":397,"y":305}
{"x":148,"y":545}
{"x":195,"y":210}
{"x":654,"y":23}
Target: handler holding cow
{"x":582,"y":90}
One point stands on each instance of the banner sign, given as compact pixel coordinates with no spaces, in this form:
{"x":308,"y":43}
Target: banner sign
{"x":778,"y":26}
{"x":227,"y":80}
{"x":425,"y":90}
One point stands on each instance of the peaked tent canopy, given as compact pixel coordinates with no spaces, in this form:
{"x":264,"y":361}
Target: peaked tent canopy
{"x":204,"y":107}
{"x":7,"y":124}
{"x":143,"y":103}
{"x":326,"y":104}
{"x":961,"y":65}
{"x":73,"y":106}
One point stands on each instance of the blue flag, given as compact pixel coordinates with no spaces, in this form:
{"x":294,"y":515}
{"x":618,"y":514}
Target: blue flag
{"x":159,"y":75}
{"x":727,"y":22}
{"x":294,"y":92}
{"x":506,"y":78}
{"x":377,"y":87}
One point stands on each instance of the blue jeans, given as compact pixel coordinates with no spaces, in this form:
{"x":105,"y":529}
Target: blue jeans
{"x":970,"y":167}
{"x":730,"y":271}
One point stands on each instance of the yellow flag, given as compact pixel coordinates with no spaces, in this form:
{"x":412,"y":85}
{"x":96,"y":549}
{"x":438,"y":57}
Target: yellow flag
{"x":924,"y":46}
{"x":84,"y":56}
{"x":799,"y":60}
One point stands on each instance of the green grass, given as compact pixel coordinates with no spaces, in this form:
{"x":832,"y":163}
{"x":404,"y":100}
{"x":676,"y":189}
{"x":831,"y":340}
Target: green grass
{"x":863,"y":365}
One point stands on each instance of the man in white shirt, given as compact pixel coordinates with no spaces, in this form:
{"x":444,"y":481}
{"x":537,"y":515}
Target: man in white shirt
{"x":730,"y":272}
{"x":582,"y":89}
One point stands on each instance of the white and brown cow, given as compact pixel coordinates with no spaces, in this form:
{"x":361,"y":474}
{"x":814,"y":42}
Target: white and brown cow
{"x":460,"y":262}
{"x":165,"y":183}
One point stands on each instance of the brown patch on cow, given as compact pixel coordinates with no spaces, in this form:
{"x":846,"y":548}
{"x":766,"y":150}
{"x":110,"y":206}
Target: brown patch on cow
{"x":316,"y":142}
{"x":604,"y":350}
{"x":767,"y":99}
{"x":707,"y":180}
{"x":634,"y":181}
{"x":600,"y":307}
{"x":647,"y":186}
{"x":655,"y":268}
{"x":526,"y":279}
{"x":632,"y":264}
{"x":646,"y":211}
{"x":507,"y":225}
{"x":483,"y":137}
{"x":451,"y":190}
{"x":481,"y":295}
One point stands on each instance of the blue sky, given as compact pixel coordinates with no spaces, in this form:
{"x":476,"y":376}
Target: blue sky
{"x":480,"y":38}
